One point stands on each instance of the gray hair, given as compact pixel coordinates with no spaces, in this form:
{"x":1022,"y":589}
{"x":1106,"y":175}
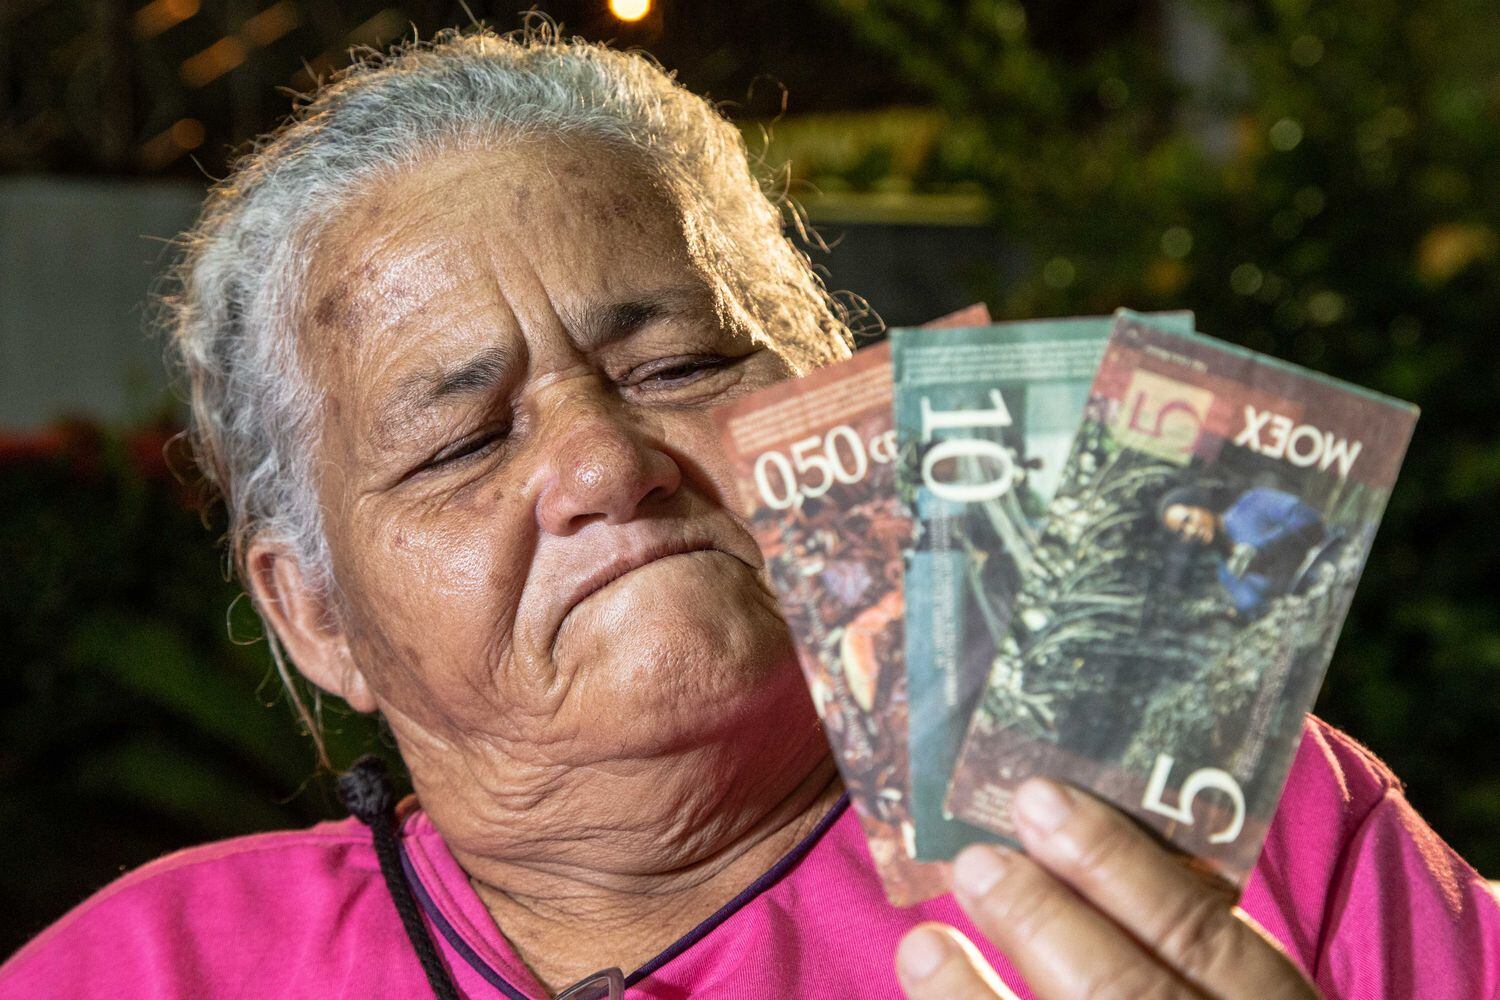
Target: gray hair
{"x":233,"y":300}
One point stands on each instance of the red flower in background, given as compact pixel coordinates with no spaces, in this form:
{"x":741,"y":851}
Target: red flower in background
{"x":30,"y":446}
{"x":156,"y":453}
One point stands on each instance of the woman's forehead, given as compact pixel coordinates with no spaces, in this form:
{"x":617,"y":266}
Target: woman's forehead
{"x":488,"y":245}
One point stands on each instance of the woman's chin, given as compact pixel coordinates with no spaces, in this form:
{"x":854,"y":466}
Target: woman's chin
{"x":692,"y":650}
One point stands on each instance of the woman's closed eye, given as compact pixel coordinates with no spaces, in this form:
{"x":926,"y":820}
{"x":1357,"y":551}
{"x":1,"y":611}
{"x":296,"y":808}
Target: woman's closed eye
{"x":668,"y":373}
{"x":470,"y":448}
{"x":660,"y":375}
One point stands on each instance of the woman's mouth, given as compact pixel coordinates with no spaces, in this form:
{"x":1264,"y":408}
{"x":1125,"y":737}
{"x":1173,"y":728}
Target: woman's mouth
{"x":623,"y":564}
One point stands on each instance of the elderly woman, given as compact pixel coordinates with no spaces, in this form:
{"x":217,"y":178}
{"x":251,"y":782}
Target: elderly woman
{"x":453,"y":337}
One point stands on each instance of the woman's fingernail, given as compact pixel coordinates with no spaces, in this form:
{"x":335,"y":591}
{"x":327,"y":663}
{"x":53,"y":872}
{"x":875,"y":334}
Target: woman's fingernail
{"x":1043,"y":805}
{"x":922,"y":951}
{"x":977,"y":869}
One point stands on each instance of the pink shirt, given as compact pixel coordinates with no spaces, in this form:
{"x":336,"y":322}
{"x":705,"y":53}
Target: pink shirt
{"x":1362,"y":894}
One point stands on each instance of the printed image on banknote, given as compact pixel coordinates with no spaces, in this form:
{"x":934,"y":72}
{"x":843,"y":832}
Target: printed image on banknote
{"x":1198,"y":558}
{"x":813,"y":460}
{"x":985,"y":418}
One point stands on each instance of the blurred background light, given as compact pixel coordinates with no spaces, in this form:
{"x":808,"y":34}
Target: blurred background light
{"x":159,"y":151}
{"x":272,"y":23}
{"x":630,"y":10}
{"x":213,"y":62}
{"x":159,"y":15}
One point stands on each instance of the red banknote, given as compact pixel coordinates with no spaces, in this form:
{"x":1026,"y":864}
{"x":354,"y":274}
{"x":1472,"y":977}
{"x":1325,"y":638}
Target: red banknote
{"x":813,"y":458}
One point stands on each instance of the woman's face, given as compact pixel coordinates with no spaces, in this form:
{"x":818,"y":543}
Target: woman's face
{"x":538,"y":573}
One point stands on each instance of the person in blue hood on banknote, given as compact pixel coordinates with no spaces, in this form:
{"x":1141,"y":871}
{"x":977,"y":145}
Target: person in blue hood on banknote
{"x":1264,"y":541}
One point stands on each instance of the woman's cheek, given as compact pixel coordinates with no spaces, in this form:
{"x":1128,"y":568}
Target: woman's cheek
{"x":456,"y":567}
{"x":694,"y":437}
{"x":447,"y":608}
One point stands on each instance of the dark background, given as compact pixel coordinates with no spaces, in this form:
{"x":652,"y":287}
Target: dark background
{"x":1318,"y":180}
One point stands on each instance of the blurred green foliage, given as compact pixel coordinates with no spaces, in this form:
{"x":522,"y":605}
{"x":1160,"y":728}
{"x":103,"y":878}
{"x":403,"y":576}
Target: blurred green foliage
{"x":1320,"y":181}
{"x":129,"y":723}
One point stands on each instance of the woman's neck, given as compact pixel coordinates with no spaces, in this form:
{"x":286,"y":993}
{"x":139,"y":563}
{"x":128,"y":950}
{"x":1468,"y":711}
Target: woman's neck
{"x":567,"y":922}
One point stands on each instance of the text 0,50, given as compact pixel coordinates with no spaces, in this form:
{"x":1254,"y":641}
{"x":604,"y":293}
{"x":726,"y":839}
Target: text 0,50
{"x":810,"y":467}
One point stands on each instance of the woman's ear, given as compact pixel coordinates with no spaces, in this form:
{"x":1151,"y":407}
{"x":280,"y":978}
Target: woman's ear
{"x":308,"y":628}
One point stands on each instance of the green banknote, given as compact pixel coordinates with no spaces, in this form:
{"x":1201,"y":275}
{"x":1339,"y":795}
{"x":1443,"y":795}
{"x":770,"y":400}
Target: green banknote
{"x":985,"y":417}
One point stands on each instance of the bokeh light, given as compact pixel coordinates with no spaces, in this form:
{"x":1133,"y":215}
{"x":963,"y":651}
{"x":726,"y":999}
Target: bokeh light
{"x":630,"y":10}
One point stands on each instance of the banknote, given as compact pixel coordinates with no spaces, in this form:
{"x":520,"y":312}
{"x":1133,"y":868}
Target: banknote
{"x":985,"y":418}
{"x":812,"y":458}
{"x":1187,"y":590}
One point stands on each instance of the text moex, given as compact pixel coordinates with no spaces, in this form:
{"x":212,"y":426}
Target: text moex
{"x":1275,"y":436}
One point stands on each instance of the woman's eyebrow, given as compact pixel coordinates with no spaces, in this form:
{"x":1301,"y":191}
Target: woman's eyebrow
{"x":492,"y":367}
{"x":484,"y":372}
{"x":481,"y":373}
{"x":605,"y":324}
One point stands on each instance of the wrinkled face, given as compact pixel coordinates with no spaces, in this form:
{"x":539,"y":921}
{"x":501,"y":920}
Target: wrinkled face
{"x":1192,"y":524}
{"x":525,"y":496}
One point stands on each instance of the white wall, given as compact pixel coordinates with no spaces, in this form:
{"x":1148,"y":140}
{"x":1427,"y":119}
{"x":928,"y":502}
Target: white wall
{"x":77,"y":259}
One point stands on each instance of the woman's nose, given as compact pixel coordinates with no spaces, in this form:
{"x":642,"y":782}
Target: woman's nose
{"x":601,"y":468}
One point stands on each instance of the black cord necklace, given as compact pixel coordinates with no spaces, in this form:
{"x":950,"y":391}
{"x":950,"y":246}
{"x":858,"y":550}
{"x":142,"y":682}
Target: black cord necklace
{"x":366,"y":791}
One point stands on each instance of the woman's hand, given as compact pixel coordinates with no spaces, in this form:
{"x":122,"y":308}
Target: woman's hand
{"x":1095,"y":909}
